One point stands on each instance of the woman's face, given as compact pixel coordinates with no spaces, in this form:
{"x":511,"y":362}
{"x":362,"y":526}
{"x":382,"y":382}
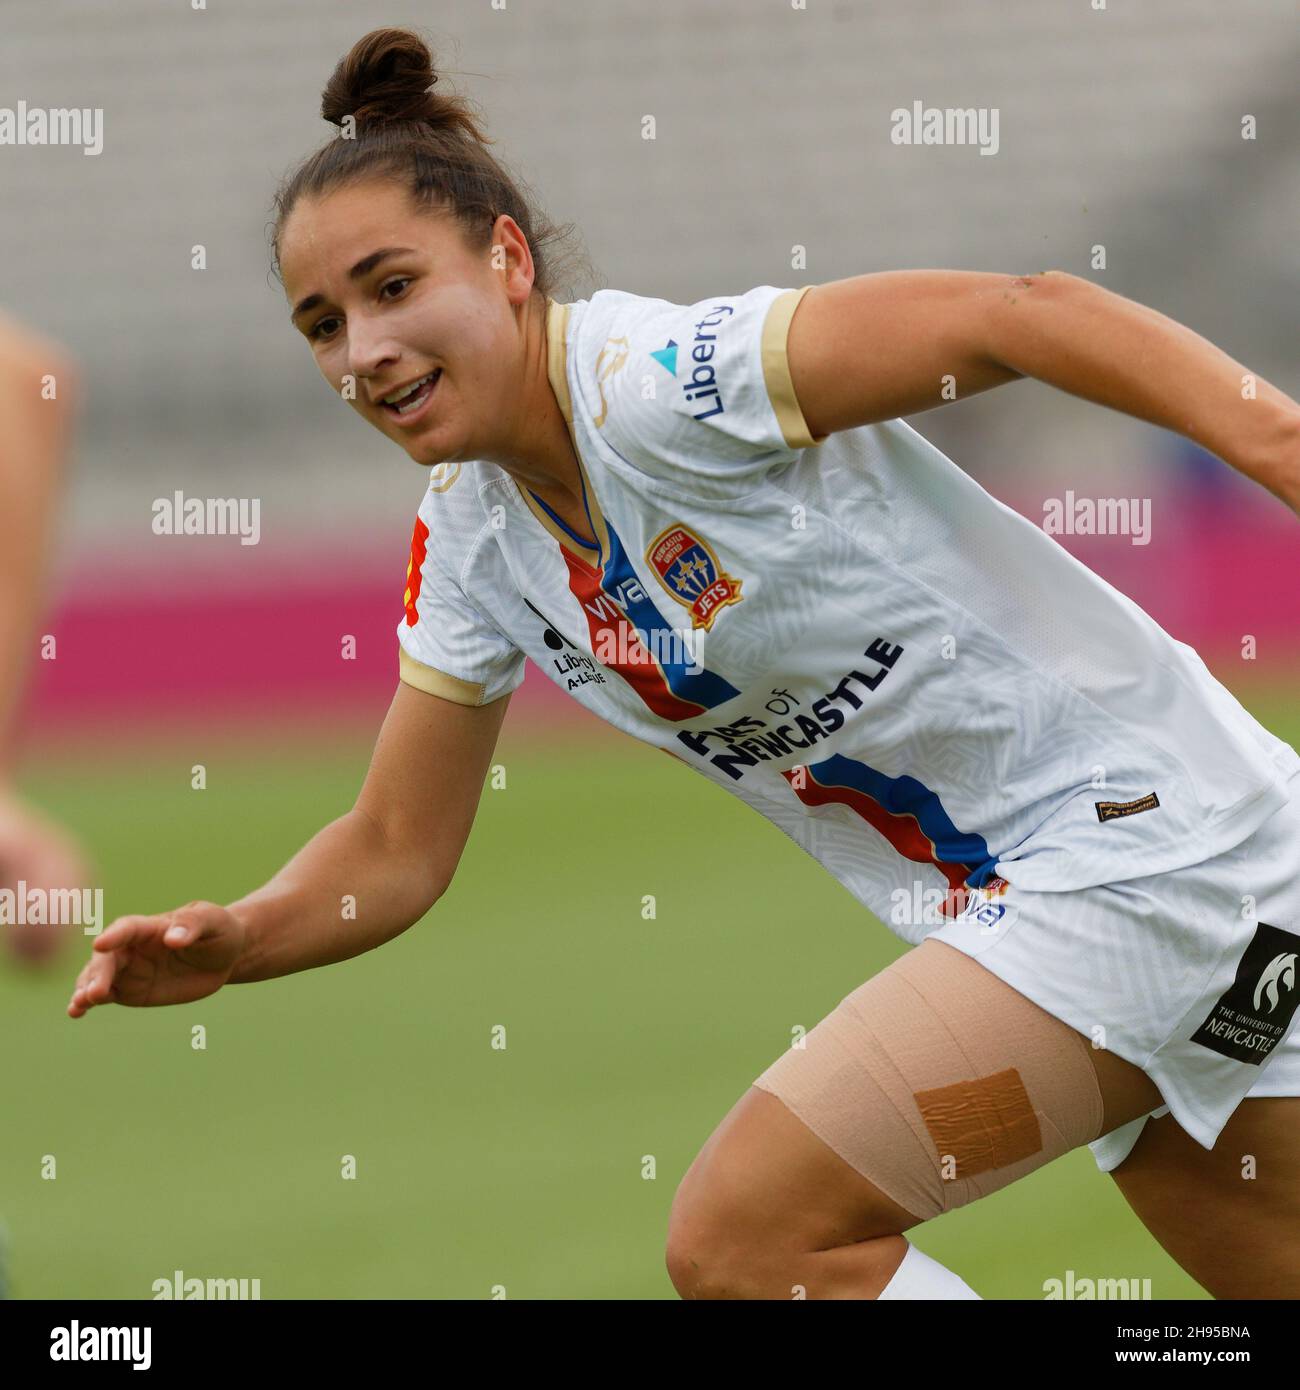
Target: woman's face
{"x":388,"y":296}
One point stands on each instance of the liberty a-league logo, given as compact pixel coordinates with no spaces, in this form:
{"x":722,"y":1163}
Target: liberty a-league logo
{"x":1253,"y":1014}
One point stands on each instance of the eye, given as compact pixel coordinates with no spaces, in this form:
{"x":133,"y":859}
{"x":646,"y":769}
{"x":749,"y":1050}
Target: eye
{"x":401,"y":281}
{"x":316,"y":333}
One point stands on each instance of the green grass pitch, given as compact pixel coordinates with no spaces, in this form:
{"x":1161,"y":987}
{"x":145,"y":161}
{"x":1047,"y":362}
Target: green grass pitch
{"x":525,"y":1169}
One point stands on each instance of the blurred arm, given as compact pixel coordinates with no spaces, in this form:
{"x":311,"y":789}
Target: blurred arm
{"x":394,"y":853}
{"x":875,"y":347}
{"x":34,"y":437}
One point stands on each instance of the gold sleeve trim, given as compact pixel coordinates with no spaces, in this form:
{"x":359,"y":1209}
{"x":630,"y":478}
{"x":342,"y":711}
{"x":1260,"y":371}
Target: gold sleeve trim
{"x":776,"y":371}
{"x":434,"y":682}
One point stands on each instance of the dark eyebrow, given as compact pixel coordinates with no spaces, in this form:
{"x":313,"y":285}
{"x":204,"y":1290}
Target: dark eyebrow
{"x":358,"y":272}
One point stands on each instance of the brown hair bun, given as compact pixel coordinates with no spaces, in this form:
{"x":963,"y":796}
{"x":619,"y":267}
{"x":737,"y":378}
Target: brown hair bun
{"x":386,"y":76}
{"x":395,"y":127}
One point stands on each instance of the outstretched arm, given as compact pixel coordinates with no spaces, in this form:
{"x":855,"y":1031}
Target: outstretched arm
{"x":357,"y":883}
{"x":875,"y":347}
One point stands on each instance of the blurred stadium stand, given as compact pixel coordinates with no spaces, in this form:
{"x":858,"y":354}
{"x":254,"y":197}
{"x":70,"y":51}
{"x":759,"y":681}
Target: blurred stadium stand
{"x":1118,"y":127}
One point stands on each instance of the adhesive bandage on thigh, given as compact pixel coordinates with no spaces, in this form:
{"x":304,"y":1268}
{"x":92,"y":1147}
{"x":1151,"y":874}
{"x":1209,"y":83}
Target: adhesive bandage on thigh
{"x":939,"y":1083}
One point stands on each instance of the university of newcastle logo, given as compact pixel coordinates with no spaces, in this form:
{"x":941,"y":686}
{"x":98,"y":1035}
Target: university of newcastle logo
{"x":1253,"y":1014}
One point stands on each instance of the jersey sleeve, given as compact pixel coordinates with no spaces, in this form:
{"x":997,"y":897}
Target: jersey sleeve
{"x":446,"y":647}
{"x":703,"y":387}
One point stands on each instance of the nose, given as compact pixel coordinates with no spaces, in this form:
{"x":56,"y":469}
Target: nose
{"x":371,"y":348}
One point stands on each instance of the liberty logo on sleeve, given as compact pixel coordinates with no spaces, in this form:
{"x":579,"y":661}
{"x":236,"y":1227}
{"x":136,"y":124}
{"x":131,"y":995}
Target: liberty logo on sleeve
{"x":689,"y":570}
{"x":1253,"y":1014}
{"x":702,"y":385}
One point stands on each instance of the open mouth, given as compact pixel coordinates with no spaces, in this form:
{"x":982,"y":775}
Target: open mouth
{"x":410,"y":400}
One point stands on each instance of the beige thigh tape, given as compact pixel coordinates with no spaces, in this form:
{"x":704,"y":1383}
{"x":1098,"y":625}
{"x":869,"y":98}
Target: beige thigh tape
{"x":939,"y":1083}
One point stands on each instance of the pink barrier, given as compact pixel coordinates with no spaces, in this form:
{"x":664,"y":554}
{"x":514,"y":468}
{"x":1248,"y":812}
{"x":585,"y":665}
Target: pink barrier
{"x":263,"y":639}
{"x":1212,"y":576}
{"x":216,"y":648}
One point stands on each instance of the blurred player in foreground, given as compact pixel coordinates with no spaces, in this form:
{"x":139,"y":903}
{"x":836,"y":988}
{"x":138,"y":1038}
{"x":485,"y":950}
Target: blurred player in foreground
{"x":37,"y":382}
{"x":36,"y":407}
{"x":998,"y":754}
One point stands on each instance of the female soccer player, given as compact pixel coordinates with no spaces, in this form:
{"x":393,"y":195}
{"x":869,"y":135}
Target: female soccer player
{"x":707,"y":524}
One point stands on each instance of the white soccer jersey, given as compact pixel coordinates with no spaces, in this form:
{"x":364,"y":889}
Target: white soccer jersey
{"x":913,"y":681}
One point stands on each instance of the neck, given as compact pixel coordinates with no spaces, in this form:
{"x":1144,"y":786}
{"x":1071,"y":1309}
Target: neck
{"x":541,"y":456}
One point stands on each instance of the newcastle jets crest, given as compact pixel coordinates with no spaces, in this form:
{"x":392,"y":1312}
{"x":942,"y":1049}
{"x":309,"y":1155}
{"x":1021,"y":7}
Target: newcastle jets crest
{"x":689,"y":570}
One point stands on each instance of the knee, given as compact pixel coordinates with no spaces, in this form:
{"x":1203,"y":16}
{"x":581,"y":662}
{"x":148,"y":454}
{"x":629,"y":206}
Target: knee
{"x":713,"y":1258}
{"x":713,"y":1251}
{"x":726,"y":1241}
{"x":721,"y":1246}
{"x":721,"y":1269}
{"x":759,"y":1204}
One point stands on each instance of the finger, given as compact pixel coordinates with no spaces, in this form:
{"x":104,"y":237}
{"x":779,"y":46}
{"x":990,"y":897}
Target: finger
{"x":75,"y":1002}
{"x":99,"y":987}
{"x":126,"y":930}
{"x":96,"y":984}
{"x":192,"y":924}
{"x":78,"y":1004}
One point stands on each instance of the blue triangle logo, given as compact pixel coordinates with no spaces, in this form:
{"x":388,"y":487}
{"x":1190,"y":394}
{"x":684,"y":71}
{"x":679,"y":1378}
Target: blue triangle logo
{"x":667,"y":357}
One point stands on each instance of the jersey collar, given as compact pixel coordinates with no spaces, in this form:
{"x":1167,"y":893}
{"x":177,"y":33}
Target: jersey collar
{"x":557,"y":324}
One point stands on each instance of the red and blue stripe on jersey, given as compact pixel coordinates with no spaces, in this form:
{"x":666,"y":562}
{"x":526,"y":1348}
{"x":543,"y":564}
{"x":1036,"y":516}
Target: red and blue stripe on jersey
{"x":664,"y":683}
{"x":906,"y":812}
